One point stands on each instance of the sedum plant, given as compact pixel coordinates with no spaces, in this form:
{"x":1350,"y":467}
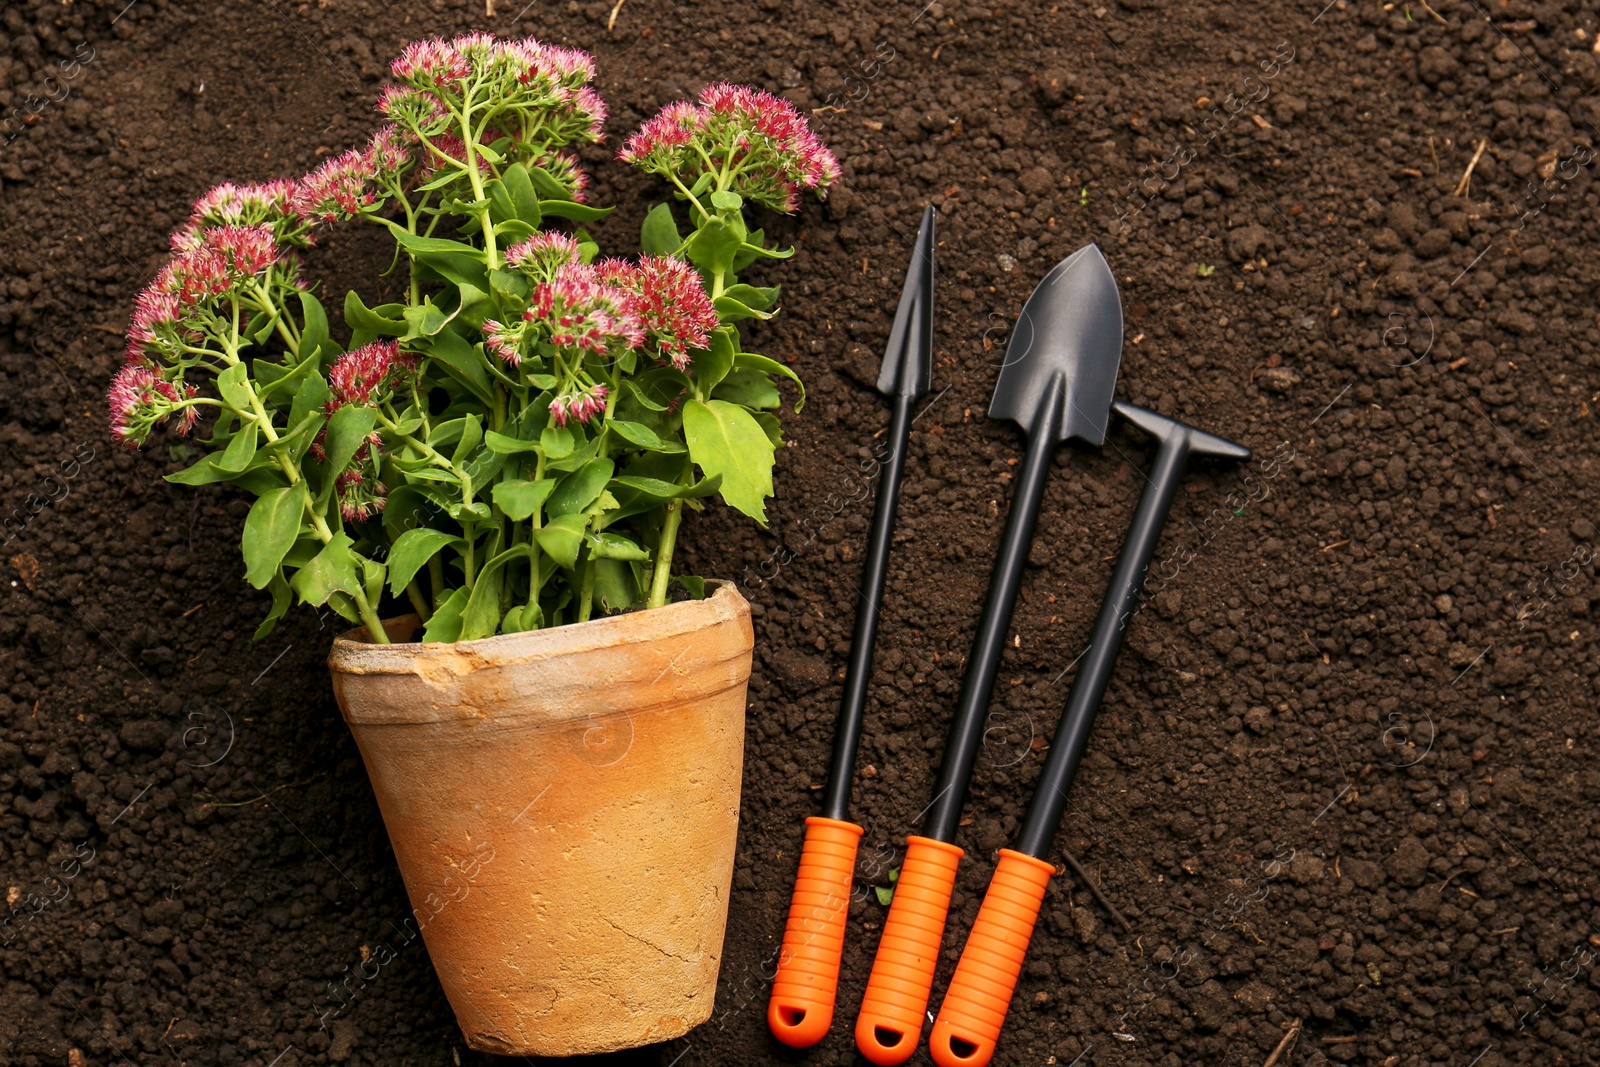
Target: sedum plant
{"x":513,"y":444}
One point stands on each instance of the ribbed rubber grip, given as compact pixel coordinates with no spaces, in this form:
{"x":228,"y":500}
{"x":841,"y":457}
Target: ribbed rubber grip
{"x":801,"y":1008}
{"x":975,"y":1006}
{"x":890,"y":1024}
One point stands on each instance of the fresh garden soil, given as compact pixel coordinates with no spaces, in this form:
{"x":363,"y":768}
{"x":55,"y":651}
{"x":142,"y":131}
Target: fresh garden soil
{"x":1344,"y":783}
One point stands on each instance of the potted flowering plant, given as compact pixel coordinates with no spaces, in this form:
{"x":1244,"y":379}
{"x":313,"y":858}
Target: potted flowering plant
{"x":508,"y":448}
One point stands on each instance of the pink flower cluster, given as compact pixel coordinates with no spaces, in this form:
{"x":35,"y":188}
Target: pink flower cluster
{"x":140,"y":399}
{"x":344,"y":185}
{"x":579,"y":404}
{"x":542,"y":90}
{"x":542,"y":255}
{"x":668,"y":298}
{"x":764,"y":141}
{"x":565,"y":168}
{"x":368,"y":374}
{"x":576,"y":310}
{"x":658,"y":303}
{"x":229,"y":204}
{"x":215,"y":262}
{"x":361,"y":494}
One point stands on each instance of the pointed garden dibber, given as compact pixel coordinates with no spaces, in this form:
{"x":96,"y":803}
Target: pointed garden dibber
{"x":803,"y":992}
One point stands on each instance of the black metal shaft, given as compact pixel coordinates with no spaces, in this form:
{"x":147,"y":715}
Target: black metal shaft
{"x":858,"y":674}
{"x":972,"y":707}
{"x":1094,"y":670}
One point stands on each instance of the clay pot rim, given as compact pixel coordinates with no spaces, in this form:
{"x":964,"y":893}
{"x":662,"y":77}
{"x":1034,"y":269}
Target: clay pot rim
{"x":353,"y":654}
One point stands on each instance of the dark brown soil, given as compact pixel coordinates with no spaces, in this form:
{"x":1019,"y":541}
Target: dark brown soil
{"x":1344,"y":781}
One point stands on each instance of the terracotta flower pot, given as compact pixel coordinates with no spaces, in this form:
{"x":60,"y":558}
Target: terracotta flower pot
{"x":563,"y":805}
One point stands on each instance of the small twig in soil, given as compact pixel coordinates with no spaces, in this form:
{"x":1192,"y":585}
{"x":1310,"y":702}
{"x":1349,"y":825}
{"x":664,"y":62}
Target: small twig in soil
{"x":1466,"y":177}
{"x":1436,"y":16}
{"x":206,"y":798}
{"x":611,"y":23}
{"x":1077,"y":868}
{"x":1347,"y":1039}
{"x":1288,"y":1039}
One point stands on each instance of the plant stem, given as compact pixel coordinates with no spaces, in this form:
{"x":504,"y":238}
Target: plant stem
{"x":664,"y":549}
{"x":418,"y":601}
{"x":436,"y":579}
{"x":586,"y":602}
{"x":369,"y":619}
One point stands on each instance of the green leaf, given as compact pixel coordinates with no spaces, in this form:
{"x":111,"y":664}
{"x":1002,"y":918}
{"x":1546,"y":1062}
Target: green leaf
{"x":561,"y":537}
{"x":476,"y":304}
{"x":615,"y":546}
{"x":241,"y":449}
{"x":726,"y":201}
{"x":588,"y":247}
{"x":481,"y":617}
{"x":347,"y":429}
{"x":731,"y":310}
{"x":426,"y":319}
{"x":281,"y":599}
{"x":358,"y":316}
{"x":769,"y":422}
{"x":575,"y":459}
{"x":311,"y":397}
{"x":464,"y":362}
{"x":569,"y":209}
{"x":637,"y":433}
{"x":760,"y":298}
{"x":659,"y":235}
{"x":477,"y":511}
{"x":724,"y":439}
{"x":764,"y":252}
{"x":522,"y":617}
{"x":314,"y":331}
{"x":616,"y":586}
{"x":772,"y":366}
{"x":519,"y":499}
{"x":694,"y":586}
{"x":556,"y":441}
{"x":748,"y":387}
{"x":434,"y":474}
{"x":471,"y":438}
{"x":458,"y":262}
{"x":333,"y":570}
{"x":411,"y":552}
{"x":581,"y":488}
{"x":711,"y":365}
{"x":519,"y":183}
{"x":548,"y":186}
{"x":665,"y":490}
{"x":206,"y":471}
{"x":500,"y":206}
{"x":372,"y":573}
{"x":231,"y":383}
{"x":713,"y":245}
{"x":508,"y":446}
{"x":270,"y":530}
{"x":445,"y":622}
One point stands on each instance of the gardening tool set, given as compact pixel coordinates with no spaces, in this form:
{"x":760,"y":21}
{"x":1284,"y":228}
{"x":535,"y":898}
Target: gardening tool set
{"x":1056,"y":384}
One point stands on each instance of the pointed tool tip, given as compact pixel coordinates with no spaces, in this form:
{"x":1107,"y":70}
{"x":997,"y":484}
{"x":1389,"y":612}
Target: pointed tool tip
{"x":908,"y":357}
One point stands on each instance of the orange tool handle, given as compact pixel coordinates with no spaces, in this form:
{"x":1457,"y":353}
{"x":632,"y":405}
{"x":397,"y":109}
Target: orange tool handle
{"x":975,"y":1007}
{"x":890,"y":1023}
{"x":801,"y":1008}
